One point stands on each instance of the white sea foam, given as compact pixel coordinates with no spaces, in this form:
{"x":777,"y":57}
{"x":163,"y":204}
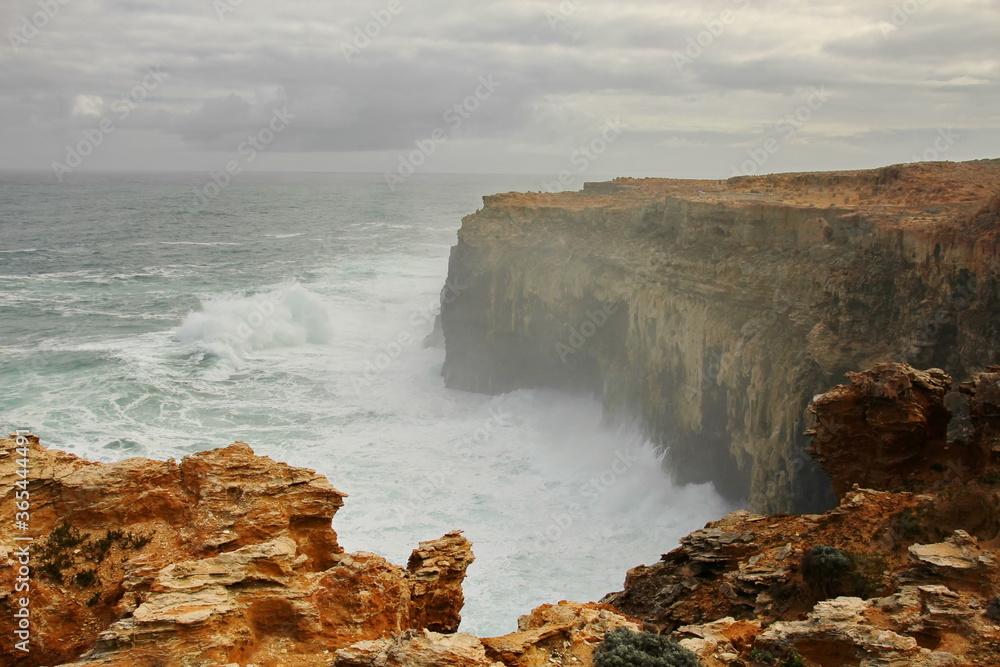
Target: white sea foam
{"x":200,"y":243}
{"x":229,"y":328}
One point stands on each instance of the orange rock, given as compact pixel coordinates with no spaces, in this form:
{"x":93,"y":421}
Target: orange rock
{"x":889,"y":425}
{"x":564,"y":634}
{"x":226,"y":557}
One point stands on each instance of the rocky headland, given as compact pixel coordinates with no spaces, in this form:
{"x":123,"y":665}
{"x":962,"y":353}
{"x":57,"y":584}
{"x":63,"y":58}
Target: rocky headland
{"x":717,"y":314}
{"x":711,"y":312}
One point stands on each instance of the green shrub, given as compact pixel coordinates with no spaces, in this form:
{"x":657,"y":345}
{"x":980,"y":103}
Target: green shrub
{"x":868,"y":576}
{"x":830,"y":572}
{"x":825,"y":569}
{"x":759,"y":655}
{"x":793,"y":659}
{"x":624,"y":648}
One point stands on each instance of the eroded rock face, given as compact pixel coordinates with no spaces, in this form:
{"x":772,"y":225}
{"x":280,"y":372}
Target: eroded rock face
{"x":426,"y":649}
{"x":984,"y":410}
{"x":562,"y":634}
{"x":225,"y":557}
{"x":748,"y":566}
{"x":888,"y":427}
{"x":713,"y":320}
{"x":737,"y":586}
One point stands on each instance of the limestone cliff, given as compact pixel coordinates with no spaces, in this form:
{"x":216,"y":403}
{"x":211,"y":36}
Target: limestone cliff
{"x":711,"y":312}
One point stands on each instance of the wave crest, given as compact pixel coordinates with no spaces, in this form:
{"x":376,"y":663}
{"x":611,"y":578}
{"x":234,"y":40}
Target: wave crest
{"x":230,"y":328}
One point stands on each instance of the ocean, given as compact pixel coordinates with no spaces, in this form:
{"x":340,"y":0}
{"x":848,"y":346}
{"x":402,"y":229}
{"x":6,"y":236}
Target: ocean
{"x":290,"y":311}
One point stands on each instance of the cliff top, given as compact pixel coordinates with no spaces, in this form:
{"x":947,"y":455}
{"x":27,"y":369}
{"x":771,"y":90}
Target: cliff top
{"x":917,"y":194}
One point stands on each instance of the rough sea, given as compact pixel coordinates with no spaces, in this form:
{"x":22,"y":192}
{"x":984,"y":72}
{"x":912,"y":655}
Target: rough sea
{"x":290,"y":312}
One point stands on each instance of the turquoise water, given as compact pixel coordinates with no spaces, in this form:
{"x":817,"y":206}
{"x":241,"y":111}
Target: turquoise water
{"x":289,"y":312}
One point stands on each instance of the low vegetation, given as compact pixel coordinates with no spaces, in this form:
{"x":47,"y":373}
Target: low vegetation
{"x":625,"y":648}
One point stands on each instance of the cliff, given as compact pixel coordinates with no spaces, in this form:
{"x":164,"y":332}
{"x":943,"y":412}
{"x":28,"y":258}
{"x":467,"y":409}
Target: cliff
{"x":711,"y":312}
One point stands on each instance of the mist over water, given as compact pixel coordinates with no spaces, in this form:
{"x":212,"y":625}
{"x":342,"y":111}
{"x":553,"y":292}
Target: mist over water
{"x":290,"y":313}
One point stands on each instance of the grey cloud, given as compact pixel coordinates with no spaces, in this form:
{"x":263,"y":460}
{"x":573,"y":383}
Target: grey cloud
{"x":605,"y":58}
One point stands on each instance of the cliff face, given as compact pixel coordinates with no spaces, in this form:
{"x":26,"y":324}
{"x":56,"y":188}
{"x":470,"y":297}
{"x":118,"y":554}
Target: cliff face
{"x":713,"y":317}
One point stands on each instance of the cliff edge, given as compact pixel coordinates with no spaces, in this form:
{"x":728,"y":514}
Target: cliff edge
{"x":710,"y":312}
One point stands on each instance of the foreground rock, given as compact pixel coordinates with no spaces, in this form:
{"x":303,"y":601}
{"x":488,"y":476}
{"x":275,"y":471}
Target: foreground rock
{"x":228,"y":558}
{"x":894,"y":577}
{"x":563,"y":634}
{"x":225,"y":557}
{"x":889,"y":429}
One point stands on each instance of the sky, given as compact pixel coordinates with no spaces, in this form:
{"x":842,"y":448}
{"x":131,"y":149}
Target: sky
{"x":568,"y":88}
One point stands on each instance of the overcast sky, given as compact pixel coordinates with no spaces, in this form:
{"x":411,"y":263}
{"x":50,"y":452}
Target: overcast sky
{"x":652,"y":87}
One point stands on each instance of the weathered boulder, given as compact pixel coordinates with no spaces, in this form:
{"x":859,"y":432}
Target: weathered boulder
{"x":562,"y":634}
{"x":888,"y":427}
{"x":413,"y":649}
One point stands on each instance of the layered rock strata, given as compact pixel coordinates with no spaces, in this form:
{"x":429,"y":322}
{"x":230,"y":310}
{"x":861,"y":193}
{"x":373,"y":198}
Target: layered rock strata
{"x":711,"y":312}
{"x":225,"y":557}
